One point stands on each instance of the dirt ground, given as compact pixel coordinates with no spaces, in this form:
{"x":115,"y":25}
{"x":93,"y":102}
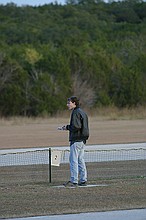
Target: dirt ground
{"x":44,"y":132}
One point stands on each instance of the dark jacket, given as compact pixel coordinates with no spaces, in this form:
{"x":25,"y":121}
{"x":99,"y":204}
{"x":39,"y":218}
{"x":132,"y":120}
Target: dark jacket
{"x":78,"y":127}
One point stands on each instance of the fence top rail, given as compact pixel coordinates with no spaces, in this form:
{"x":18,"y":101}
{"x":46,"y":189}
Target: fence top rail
{"x":104,"y":147}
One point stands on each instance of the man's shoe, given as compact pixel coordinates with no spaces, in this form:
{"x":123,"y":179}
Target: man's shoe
{"x":82,"y":184}
{"x":70,"y":184}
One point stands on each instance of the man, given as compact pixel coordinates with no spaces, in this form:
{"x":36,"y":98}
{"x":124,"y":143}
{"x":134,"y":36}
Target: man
{"x":78,"y":134}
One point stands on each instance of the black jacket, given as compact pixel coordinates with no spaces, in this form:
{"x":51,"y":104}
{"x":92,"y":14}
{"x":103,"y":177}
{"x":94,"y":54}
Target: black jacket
{"x":78,"y":127}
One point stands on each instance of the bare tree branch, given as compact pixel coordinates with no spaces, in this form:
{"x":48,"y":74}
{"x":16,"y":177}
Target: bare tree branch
{"x":82,"y":89}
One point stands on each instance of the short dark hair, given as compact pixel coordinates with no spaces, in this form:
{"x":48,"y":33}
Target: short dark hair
{"x":74,"y":99}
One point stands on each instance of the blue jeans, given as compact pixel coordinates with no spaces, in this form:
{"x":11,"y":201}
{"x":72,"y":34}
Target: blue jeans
{"x":77,"y":163}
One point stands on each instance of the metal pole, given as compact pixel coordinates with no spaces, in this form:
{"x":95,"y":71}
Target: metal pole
{"x":50,"y":165}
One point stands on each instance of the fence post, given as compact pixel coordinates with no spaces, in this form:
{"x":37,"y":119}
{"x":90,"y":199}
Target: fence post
{"x":50,"y":167}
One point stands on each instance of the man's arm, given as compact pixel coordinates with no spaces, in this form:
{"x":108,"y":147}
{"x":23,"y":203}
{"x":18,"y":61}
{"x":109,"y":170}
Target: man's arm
{"x":76,"y":123}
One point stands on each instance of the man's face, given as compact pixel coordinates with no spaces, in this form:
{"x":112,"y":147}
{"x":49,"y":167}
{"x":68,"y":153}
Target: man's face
{"x":71,"y":105}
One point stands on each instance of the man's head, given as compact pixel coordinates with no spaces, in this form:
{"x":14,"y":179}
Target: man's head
{"x":72,"y":102}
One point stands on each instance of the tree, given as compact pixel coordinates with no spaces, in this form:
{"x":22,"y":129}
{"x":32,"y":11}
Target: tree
{"x":88,"y":47}
{"x":126,"y":88}
{"x":12,"y":101}
{"x":6,"y":71}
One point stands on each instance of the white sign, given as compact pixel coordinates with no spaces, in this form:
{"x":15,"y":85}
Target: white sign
{"x":56,"y":157}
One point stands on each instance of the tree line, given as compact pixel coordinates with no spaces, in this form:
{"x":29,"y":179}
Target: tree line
{"x":88,"y":48}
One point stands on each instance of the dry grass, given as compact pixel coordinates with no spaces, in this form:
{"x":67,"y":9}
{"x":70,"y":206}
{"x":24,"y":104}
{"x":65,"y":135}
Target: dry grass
{"x":106,"y":126}
{"x":118,"y":190}
{"x":108,"y":113}
{"x":113,"y":113}
{"x":40,"y":199}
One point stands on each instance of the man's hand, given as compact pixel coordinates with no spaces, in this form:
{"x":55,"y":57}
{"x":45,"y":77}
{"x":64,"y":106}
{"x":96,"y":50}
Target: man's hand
{"x":62,"y":128}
